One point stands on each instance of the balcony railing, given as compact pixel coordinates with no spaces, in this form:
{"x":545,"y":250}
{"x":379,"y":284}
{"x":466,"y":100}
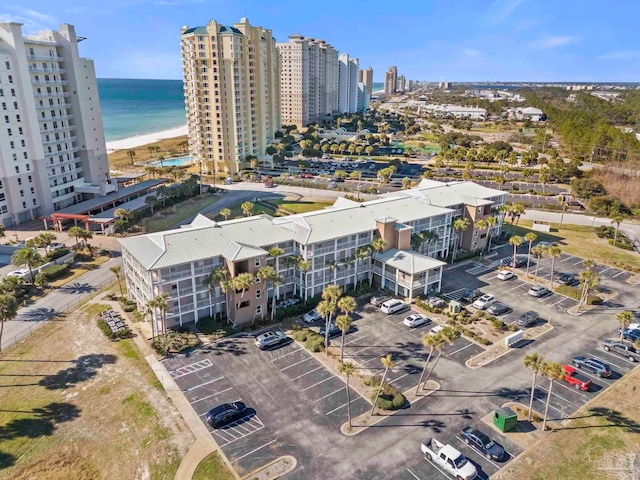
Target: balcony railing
{"x":53,"y":107}
{"x":47,"y":70}
{"x":45,"y":83}
{"x":51,"y":94}
{"x":175,"y":276}
{"x":55,"y":119}
{"x":59,"y":140}
{"x":45,"y":58}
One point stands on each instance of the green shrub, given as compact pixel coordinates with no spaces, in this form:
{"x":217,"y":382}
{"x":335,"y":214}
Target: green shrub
{"x":301,"y":335}
{"x":106,"y":329}
{"x":55,"y":271}
{"x":498,"y":324}
{"x":55,"y":254}
{"x":576,"y":293}
{"x":389,"y":399}
{"x":314,"y":342}
{"x":373,"y":381}
{"x":129,"y":308}
{"x":211,"y":326}
{"x":622,"y":242}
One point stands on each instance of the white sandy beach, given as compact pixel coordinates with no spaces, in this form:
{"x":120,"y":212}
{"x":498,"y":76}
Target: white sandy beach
{"x":145,"y":139}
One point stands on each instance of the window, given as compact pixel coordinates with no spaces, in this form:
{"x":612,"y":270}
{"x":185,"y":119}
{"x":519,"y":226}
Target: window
{"x":257,"y":262}
{"x":258,"y":309}
{"x":257,"y":279}
{"x":258,"y":293}
{"x":243,"y":304}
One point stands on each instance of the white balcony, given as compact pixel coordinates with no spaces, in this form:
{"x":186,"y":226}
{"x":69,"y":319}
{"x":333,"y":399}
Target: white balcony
{"x":47,"y":70}
{"x":55,"y":119}
{"x":47,"y":83}
{"x":51,"y":94}
{"x":45,"y":58}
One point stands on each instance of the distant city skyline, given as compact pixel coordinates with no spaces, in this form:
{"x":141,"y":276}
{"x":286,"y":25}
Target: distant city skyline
{"x":502,"y":40}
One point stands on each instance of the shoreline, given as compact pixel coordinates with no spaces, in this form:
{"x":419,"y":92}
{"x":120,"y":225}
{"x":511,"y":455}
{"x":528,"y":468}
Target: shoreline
{"x":147,"y":138}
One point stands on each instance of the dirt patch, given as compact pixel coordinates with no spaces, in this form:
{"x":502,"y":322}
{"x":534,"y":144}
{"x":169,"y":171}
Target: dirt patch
{"x":76,"y":405}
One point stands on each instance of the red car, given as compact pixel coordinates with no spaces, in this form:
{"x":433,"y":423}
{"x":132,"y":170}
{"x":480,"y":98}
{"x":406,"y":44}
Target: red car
{"x":575,"y":378}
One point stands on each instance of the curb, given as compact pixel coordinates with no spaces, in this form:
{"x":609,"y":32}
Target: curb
{"x":294,"y":464}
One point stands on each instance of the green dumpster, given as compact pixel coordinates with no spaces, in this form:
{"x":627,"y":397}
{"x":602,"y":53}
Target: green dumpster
{"x":455,"y":307}
{"x":505,"y":419}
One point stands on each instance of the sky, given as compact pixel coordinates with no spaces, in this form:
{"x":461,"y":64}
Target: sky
{"x":432,"y":40}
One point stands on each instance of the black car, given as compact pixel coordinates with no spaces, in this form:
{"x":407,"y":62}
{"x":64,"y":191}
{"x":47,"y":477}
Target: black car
{"x":224,"y":414}
{"x":567,"y":279}
{"x":593,"y":365}
{"x":528,"y":319}
{"x":468,"y":295}
{"x":497,"y":308}
{"x":508,"y":262}
{"x":482,"y":443}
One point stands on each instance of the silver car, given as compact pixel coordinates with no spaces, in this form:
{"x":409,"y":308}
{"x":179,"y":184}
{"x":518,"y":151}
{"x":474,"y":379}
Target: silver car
{"x":270,"y":339}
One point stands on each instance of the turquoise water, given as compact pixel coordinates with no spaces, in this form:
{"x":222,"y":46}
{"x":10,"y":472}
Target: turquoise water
{"x":173,"y":162}
{"x":136,"y":107}
{"x":377,"y":87}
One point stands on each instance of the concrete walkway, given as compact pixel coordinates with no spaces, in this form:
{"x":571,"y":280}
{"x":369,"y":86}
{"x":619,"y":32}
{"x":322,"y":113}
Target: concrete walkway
{"x":204,"y":444}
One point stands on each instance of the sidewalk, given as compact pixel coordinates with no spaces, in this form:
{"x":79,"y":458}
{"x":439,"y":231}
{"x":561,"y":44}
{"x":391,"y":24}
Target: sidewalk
{"x":204,"y":444}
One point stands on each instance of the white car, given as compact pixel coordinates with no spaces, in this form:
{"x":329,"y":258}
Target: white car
{"x":484,"y":301}
{"x":435,"y":330}
{"x":56,"y":246}
{"x":393,"y":306}
{"x":18,"y":273}
{"x":270,"y":339}
{"x":415,"y":320}
{"x":311,"y":317}
{"x":506,"y":275}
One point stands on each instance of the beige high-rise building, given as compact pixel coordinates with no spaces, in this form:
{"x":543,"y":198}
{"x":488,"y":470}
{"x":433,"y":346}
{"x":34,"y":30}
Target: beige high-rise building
{"x":366,"y":76}
{"x":232,"y":92}
{"x":401,"y":85}
{"x":309,"y":80}
{"x":391,"y":80}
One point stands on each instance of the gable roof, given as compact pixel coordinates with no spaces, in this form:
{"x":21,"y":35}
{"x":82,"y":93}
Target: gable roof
{"x":409,"y":261}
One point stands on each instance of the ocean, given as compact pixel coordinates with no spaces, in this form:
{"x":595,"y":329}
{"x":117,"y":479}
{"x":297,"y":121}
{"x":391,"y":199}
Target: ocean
{"x":136,"y":107}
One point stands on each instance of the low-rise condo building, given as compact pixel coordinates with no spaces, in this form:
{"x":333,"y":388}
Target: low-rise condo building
{"x":315,"y":249}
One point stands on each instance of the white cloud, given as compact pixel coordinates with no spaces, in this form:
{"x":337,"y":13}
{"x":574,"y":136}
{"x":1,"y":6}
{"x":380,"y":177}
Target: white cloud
{"x":32,"y":20}
{"x":499,"y":10}
{"x":620,"y":55}
{"x":471,"y":53}
{"x":546,"y":43}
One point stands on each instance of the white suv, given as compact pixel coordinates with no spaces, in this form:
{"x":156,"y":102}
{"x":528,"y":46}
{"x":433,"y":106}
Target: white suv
{"x":484,"y":301}
{"x":393,"y":306}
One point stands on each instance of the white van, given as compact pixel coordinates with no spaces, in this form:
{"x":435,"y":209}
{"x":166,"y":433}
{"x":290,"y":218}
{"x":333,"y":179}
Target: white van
{"x":393,"y":306}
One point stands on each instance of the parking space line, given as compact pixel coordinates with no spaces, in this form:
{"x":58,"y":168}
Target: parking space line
{"x":202,"y":384}
{"x":618,"y":274}
{"x":460,"y":349}
{"x":574,"y":390}
{"x":401,"y":377}
{"x":254,"y":450}
{"x":610,"y":363}
{"x":297,"y":363}
{"x":316,"y":384}
{"x":355,"y":340}
{"x":336,"y":409}
{"x":191,"y":368}
{"x":559,"y":301}
{"x":568,"y":258}
{"x":605,"y":270}
{"x":286,"y":354}
{"x":209,"y":396}
{"x":437,"y":467}
{"x":352,"y":354}
{"x":604,"y":380}
{"x":414,"y":475}
{"x":328,"y":395}
{"x":544,"y":402}
{"x":518,"y":286}
{"x":476,"y":451}
{"x":307,"y":373}
{"x":578,"y":262}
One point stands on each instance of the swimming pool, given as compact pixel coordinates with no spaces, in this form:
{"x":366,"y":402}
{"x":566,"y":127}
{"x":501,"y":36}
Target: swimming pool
{"x":174,"y":162}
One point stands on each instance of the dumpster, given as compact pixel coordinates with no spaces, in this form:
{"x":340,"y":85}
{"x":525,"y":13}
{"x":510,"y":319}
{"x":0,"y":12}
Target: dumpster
{"x":455,"y":307}
{"x":505,"y":419}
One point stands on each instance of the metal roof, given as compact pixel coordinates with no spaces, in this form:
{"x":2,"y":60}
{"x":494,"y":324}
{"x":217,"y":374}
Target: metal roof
{"x":408,"y":261}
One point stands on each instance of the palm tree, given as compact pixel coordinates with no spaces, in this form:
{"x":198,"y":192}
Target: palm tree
{"x":430,"y":341}
{"x":116,"y":271}
{"x":304,"y":266}
{"x":45,"y":240}
{"x":516,"y":241}
{"x":538,"y":251}
{"x":544,"y":177}
{"x":152,"y":201}
{"x":150,"y":309}
{"x":459,"y":225}
{"x":551,"y":371}
{"x":362,"y":253}
{"x":8,"y":311}
{"x":554,"y":252}
{"x":131,"y":154}
{"x":225,"y":212}
{"x":347,"y":368}
{"x":332,"y":265}
{"x":624,"y":318}
{"x":28,"y":256}
{"x":242,"y":282}
{"x":446,"y":336}
{"x":343,"y":322}
{"x":589,"y":279}
{"x":347,"y":305}
{"x":387,"y":363}
{"x":161,"y":302}
{"x":377,"y":246}
{"x":247,"y":208}
{"x":533,"y":362}
{"x":212,"y":281}
{"x":529,"y":237}
{"x":151,"y":149}
{"x":75,"y":232}
{"x":326,"y":310}
{"x":616,"y":219}
{"x":491,"y":222}
{"x":275,"y":252}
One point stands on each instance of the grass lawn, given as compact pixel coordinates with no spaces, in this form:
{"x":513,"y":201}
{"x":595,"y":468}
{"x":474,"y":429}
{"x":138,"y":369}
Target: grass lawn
{"x":168,"y":147}
{"x":601,"y":438}
{"x":236,"y":212}
{"x":76,"y":405}
{"x":212,"y":468}
{"x":580,"y":241}
{"x":168,"y":218}
{"x":292,"y":206}
{"x":80,"y":269}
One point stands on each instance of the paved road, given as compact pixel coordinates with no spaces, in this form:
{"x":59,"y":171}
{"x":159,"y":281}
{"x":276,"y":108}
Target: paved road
{"x":47,"y":307}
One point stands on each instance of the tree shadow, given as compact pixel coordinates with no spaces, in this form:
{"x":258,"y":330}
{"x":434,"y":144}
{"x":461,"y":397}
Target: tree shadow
{"x":6,"y":460}
{"x":38,"y":314}
{"x":85,"y":368}
{"x":77,"y":288}
{"x":613,"y":417}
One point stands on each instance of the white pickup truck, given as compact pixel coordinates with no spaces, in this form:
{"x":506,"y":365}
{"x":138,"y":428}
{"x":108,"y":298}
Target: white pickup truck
{"x":450,"y":459}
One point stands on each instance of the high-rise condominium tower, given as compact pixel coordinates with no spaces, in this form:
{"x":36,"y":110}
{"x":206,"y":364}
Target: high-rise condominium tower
{"x":232,"y":92}
{"x":400,"y":87}
{"x":52,"y":148}
{"x":391,"y":80}
{"x":366,"y":76}
{"x":347,"y":84}
{"x":308,"y":81}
